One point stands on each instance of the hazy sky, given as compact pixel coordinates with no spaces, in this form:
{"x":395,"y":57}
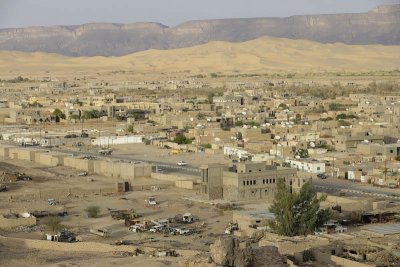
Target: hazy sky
{"x":22,"y":13}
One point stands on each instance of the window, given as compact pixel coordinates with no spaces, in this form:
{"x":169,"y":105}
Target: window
{"x":255,"y":182}
{"x":244,"y":182}
{"x":318,"y":168}
{"x":273,"y":180}
{"x":247,"y":182}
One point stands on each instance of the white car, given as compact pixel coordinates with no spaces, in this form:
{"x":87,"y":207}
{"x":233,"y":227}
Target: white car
{"x":182,"y":231}
{"x":182,"y":163}
{"x":137,"y":228}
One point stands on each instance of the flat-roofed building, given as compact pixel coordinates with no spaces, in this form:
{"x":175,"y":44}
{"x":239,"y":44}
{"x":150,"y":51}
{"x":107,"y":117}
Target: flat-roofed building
{"x":246,"y":181}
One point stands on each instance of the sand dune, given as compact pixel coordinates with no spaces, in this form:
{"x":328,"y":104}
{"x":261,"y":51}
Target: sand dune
{"x":256,"y":56}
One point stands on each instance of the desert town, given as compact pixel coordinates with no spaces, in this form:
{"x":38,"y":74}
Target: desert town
{"x":121,"y":166}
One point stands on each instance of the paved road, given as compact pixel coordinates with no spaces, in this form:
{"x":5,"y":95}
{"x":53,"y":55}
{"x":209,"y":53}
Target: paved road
{"x":157,"y":165}
{"x":333,"y":186}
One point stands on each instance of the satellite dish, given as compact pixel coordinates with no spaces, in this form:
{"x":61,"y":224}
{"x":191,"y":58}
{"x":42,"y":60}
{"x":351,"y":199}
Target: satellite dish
{"x":312,"y":144}
{"x":191,"y":119}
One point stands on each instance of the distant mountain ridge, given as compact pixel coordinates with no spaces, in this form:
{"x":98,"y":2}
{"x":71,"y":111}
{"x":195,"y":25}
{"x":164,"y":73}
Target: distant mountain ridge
{"x":381,"y":25}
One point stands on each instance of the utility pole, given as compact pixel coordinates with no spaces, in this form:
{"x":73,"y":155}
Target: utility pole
{"x":385,"y":172}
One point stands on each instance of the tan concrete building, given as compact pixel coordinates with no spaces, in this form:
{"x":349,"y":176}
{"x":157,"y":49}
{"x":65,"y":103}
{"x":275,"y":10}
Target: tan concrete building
{"x":246,"y":181}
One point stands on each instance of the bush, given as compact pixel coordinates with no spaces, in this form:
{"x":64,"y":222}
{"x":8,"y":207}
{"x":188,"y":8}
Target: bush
{"x":92,"y":211}
{"x":308,"y":255}
{"x":53,"y":223}
{"x":207,"y":146}
{"x":181,"y":139}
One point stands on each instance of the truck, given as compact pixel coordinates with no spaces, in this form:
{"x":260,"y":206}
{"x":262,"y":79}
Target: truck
{"x":137,"y":228}
{"x":182,"y":231}
{"x":63,"y":236}
{"x":231,"y":228}
{"x":151,"y":201}
{"x":188,"y":218}
{"x":105,"y":152}
{"x":100,"y":232}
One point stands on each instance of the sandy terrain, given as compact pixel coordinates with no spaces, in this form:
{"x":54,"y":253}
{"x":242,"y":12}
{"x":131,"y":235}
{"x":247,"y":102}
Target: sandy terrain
{"x":256,"y":56}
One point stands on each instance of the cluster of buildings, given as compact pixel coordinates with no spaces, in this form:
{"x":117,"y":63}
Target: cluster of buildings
{"x":354,"y":137}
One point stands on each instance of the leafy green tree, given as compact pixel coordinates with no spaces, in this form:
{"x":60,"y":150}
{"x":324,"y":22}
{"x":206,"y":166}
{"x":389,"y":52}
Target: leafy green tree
{"x":282,"y":207}
{"x":297,"y":213}
{"x":336,"y":106}
{"x":306,"y":210}
{"x":59,"y":114}
{"x":253,"y":123}
{"x":207,"y":146}
{"x":238,"y":124}
{"x":181,"y":139}
{"x":283,"y":106}
{"x":130,"y":129}
{"x":302,"y":153}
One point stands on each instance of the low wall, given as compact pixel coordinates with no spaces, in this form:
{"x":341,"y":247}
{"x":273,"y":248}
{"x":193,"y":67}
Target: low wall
{"x":113,"y":169}
{"x":48,"y":159}
{"x":348,"y":204}
{"x":63,"y":193}
{"x":332,"y":259}
{"x":4,"y":152}
{"x":172,"y":177}
{"x":80,"y":164}
{"x":186,"y":184}
{"x":12,"y":223}
{"x":19,"y":243}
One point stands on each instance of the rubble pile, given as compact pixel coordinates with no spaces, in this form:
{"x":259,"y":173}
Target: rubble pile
{"x":230,"y":251}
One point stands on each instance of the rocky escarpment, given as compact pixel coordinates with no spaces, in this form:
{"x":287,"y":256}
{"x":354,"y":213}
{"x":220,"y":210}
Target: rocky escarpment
{"x":379,"y":26}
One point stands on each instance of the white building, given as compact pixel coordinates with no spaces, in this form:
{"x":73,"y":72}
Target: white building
{"x":117,"y":140}
{"x":236,"y":152}
{"x":306,"y":165}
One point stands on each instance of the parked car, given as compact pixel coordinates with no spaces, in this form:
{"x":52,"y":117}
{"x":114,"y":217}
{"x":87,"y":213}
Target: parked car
{"x":52,"y":201}
{"x":322,"y":175}
{"x":182,"y":231}
{"x":3,"y":188}
{"x":182,"y":163}
{"x":137,"y":228}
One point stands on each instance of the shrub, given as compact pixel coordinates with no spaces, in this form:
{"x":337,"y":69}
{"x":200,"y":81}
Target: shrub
{"x":53,"y":223}
{"x":308,"y":255}
{"x":92,"y":211}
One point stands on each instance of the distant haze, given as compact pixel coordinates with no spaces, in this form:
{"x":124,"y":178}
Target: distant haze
{"x":24,"y":13}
